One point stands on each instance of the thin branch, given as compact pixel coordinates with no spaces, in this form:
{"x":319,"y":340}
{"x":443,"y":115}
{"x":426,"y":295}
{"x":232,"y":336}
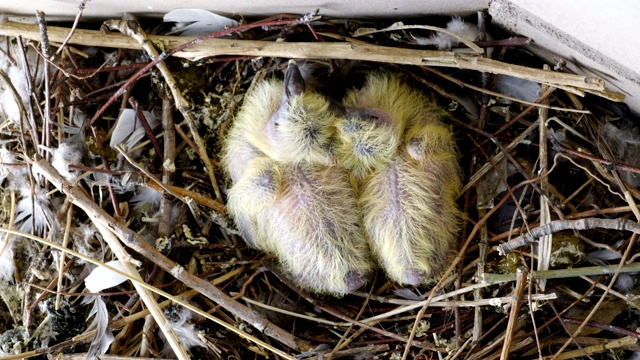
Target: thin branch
{"x":325,"y":50}
{"x":560,"y":225}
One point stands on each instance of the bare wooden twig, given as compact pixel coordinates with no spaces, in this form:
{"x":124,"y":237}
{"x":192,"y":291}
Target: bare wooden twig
{"x":563,"y":273}
{"x":44,"y":44}
{"x":325,"y":50}
{"x":545,"y":242}
{"x":146,"y":295}
{"x":560,"y":225}
{"x":179,"y":193}
{"x":521,"y":283}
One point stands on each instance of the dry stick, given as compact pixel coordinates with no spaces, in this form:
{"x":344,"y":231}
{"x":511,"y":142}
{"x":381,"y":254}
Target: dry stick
{"x":544,"y":244}
{"x":145,"y":124}
{"x":44,"y":44}
{"x":179,"y":193}
{"x":625,"y":342}
{"x":74,"y":26}
{"x":493,"y":93}
{"x":624,"y":298}
{"x":65,"y":242}
{"x":32,"y":96}
{"x":325,"y":50}
{"x":343,"y":342}
{"x":484,"y":352}
{"x":168,"y":166}
{"x":563,"y":273}
{"x":145,"y":295}
{"x":484,"y":233}
{"x":609,"y":163}
{"x":607,"y":327}
{"x":560,"y":225}
{"x":521,"y":283}
{"x":134,"y":30}
{"x":105,"y":164}
{"x":136,"y":242}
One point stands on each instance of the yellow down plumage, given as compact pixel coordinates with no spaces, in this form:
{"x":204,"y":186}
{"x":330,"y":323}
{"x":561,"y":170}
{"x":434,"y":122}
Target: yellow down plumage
{"x":327,"y":188}
{"x":408,"y":200}
{"x":289,"y":197}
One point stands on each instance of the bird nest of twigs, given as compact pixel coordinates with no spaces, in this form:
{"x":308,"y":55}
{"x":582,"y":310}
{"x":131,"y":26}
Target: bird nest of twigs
{"x":111,"y":149}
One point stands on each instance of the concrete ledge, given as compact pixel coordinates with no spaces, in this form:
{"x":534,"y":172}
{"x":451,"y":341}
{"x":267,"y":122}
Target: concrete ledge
{"x":595,"y":38}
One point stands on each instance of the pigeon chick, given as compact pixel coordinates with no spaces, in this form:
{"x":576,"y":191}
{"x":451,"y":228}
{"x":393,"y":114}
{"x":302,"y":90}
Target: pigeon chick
{"x":408,"y":191}
{"x":288,"y":197}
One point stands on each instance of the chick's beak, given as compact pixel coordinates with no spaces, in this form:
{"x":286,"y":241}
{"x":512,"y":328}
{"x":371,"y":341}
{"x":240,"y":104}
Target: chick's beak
{"x":293,"y":82}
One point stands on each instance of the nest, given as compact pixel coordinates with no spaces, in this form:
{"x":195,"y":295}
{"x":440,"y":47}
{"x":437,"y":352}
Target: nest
{"x":545,"y":261}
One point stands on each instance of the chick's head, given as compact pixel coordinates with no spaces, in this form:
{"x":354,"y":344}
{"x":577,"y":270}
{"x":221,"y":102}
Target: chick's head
{"x":301,"y":128}
{"x":367,"y":138}
{"x":376,"y":115}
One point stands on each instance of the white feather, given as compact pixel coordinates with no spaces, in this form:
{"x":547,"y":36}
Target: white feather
{"x":7,"y":266}
{"x":185,"y":331}
{"x":197,"y":22}
{"x":64,"y":156}
{"x":7,"y":159}
{"x":129,"y":129}
{"x":102,"y":278}
{"x":518,"y":88}
{"x":625,"y":283}
{"x":445,"y":41}
{"x":144,"y":196}
{"x":103,"y":336}
{"x":36,"y":208}
{"x":17,"y":76}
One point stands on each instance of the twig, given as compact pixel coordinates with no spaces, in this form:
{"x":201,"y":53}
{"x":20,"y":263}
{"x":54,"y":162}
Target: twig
{"x":400,"y":26}
{"x":325,"y":50}
{"x":65,"y":242}
{"x":484,"y":234}
{"x":498,"y":157}
{"x":146,"y":295}
{"x":493,"y":93}
{"x":624,"y":298}
{"x":105,"y":164}
{"x":521,"y":282}
{"x":344,"y":341}
{"x":44,"y":44}
{"x":560,"y":225}
{"x":563,"y":273}
{"x":145,"y":124}
{"x":168,"y":165}
{"x":597,"y":325}
{"x":625,"y":342}
{"x":32,"y":96}
{"x":74,"y":26}
{"x":179,"y":193}
{"x":545,"y":242}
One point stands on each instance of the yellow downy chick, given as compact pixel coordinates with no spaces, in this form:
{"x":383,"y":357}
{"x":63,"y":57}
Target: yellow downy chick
{"x":288,"y":198}
{"x":408,"y":198}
